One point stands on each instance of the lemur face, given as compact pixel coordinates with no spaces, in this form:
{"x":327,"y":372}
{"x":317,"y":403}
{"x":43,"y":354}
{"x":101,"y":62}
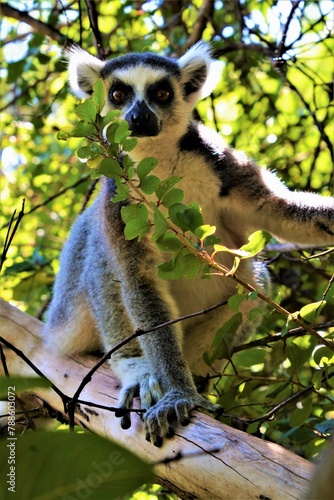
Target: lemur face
{"x":155,"y":94}
{"x":145,"y":89}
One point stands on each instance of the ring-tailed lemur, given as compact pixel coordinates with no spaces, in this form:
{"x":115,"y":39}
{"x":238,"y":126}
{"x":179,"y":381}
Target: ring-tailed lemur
{"x":108,"y":287}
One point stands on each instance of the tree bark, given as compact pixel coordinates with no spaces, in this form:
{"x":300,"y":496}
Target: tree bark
{"x":212,"y":461}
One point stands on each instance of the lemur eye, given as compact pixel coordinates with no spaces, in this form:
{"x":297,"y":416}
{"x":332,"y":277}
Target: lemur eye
{"x":162,"y":95}
{"x":118,"y":95}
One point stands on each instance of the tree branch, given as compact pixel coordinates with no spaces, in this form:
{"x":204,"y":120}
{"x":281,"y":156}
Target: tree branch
{"x":38,"y":26}
{"x":281,"y":46}
{"x":203,"y":16}
{"x":93,"y":19}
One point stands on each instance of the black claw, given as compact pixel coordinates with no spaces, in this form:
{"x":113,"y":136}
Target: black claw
{"x":170,"y":433}
{"x":185,"y":421}
{"x":148,"y":437}
{"x":126,"y":422}
{"x":158,"y":442}
{"x":120,"y":412}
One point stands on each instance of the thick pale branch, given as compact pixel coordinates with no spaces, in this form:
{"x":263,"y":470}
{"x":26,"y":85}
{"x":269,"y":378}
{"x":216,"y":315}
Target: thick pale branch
{"x":215,"y":457}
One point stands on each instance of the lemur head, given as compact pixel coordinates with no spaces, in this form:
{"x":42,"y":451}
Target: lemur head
{"x":155,"y":94}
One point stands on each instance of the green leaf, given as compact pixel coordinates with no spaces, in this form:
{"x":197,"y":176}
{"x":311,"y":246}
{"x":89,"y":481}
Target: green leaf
{"x":278,"y":388}
{"x":253,"y":295}
{"x":227,"y":399}
{"x":323,"y":352}
{"x":235,"y":300}
{"x":250,"y":357}
{"x":297,"y":356}
{"x":211,"y":240}
{"x":127,"y":166}
{"x":225,"y":337}
{"x":257,"y":312}
{"x":166,"y":185}
{"x":110,"y":117}
{"x":301,"y":413}
{"x":129,"y":143}
{"x":256,"y":242}
{"x":122,"y":193}
{"x":95,"y":162}
{"x":187,"y":219}
{"x":86,"y":111}
{"x":145,"y":166}
{"x":110,"y":168}
{"x":135,"y":211}
{"x":65,"y":133}
{"x":149,"y":184}
{"x":192,"y":266}
{"x":136,"y":228}
{"x":223,"y":248}
{"x":168,"y":242}
{"x":172,"y":270}
{"x":83,"y":129}
{"x":160,"y":223}
{"x":85,"y":152}
{"x":204,"y":231}
{"x":316,"y":379}
{"x":311,"y":311}
{"x":111,"y":131}
{"x":53,"y":465}
{"x":173,"y":196}
{"x":95,"y":174}
{"x":20,"y":384}
{"x":121,"y":132}
{"x":98,"y":97}
{"x":113,"y":150}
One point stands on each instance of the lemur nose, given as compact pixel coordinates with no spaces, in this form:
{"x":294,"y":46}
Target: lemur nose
{"x":136,"y":118}
{"x":139,"y":115}
{"x":142,"y":120}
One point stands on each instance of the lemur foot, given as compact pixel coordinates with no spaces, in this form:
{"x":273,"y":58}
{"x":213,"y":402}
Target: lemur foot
{"x":149,"y":391}
{"x":175,"y":406}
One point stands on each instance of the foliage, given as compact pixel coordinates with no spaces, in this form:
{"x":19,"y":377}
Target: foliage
{"x":56,"y":465}
{"x":273,"y":101}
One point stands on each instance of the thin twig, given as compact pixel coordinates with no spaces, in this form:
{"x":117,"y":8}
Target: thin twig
{"x":10,"y":234}
{"x":19,"y":353}
{"x":269,"y":339}
{"x":93,"y":20}
{"x":271,"y":414}
{"x":281,"y":46}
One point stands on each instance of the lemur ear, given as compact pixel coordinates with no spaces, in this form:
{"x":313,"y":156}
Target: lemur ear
{"x":84,"y":70}
{"x":200,"y":74}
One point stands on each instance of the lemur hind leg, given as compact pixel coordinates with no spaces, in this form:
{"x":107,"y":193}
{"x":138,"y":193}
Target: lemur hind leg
{"x":127,"y":362}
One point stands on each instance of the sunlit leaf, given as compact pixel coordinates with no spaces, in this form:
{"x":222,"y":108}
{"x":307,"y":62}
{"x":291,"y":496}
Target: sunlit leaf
{"x":204,"y":231}
{"x":98,"y":97}
{"x":311,"y":311}
{"x":86,"y":111}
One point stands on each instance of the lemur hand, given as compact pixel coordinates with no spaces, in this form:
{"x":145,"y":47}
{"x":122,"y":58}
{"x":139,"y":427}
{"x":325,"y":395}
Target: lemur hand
{"x":148,"y":389}
{"x":175,"y":406}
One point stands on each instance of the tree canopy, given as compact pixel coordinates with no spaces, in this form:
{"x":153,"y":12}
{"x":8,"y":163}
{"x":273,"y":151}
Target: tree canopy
{"x":273,"y":101}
